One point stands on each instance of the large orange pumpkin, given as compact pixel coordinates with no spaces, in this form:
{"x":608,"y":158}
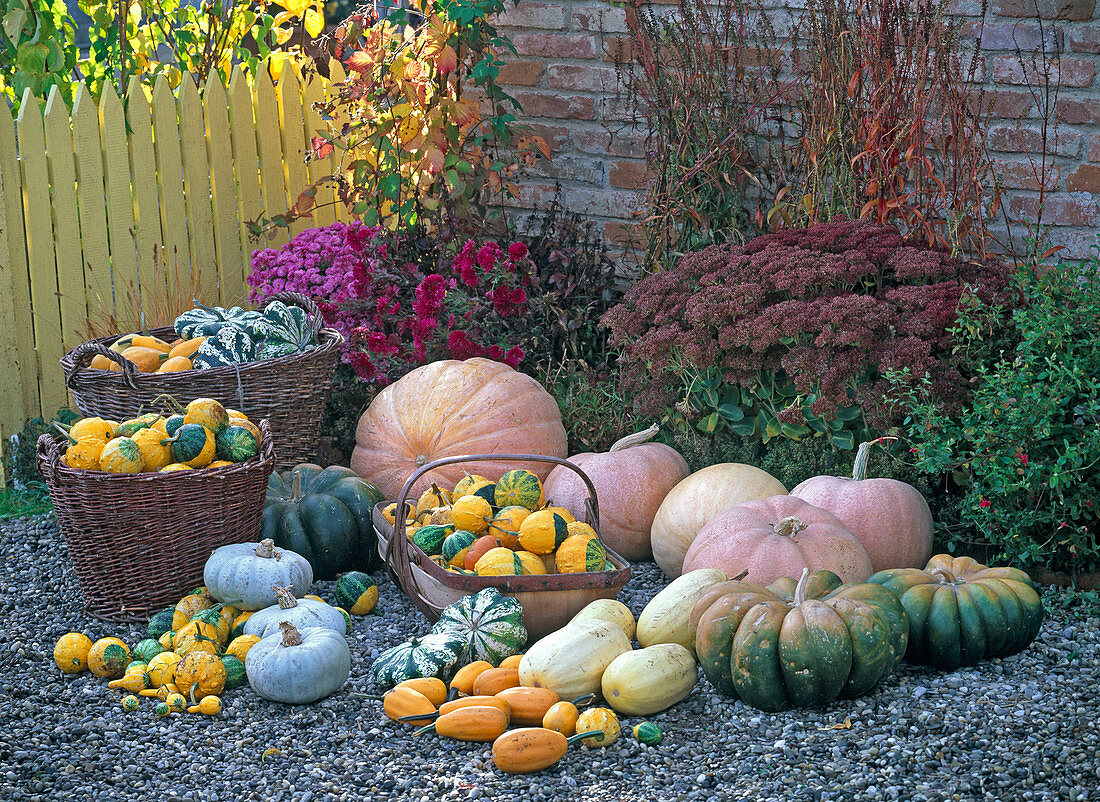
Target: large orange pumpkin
{"x":632,"y":478}
{"x":778,"y":537}
{"x":698,"y":498}
{"x":890,"y":518}
{"x":450,"y":408}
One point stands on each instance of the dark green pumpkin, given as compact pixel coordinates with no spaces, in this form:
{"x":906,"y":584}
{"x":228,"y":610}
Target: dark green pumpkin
{"x":189,"y":441}
{"x":324,"y":515}
{"x":160,"y":623}
{"x":356,"y":592}
{"x":961,"y":612}
{"x":236,"y":444}
{"x":776,"y":652}
{"x":235,"y":675}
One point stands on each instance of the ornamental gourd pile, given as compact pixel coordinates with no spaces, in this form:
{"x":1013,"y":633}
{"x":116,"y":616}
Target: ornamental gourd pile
{"x":215,"y":337}
{"x":502,"y":528}
{"x":204,"y":434}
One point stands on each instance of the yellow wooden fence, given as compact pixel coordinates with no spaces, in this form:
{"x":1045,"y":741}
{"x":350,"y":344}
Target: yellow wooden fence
{"x":111,"y":208}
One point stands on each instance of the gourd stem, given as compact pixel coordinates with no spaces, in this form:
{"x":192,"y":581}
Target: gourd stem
{"x":863,"y":457}
{"x":582,"y":735}
{"x":425,"y":729}
{"x":584,"y":701}
{"x":170,"y":402}
{"x":790,"y":527}
{"x":800,"y":588}
{"x":290,"y":634}
{"x":636,"y":439}
{"x":285,"y":597}
{"x":68,"y":436}
{"x":266,"y":548}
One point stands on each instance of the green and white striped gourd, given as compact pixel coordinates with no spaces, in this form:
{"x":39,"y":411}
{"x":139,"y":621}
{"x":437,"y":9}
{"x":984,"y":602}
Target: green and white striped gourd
{"x":229,"y":346}
{"x":285,"y":330}
{"x":489,"y":623}
{"x":433,"y":655}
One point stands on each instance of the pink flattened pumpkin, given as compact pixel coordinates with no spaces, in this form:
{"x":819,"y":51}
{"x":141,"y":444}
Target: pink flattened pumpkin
{"x":450,"y":408}
{"x":890,"y":518}
{"x":631,"y":479}
{"x":778,"y":537}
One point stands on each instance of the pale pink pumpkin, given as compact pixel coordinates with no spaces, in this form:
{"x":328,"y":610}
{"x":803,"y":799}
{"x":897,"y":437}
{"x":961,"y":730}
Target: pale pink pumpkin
{"x":451,"y":408}
{"x":632,"y":478}
{"x":890,"y":518}
{"x":777,"y":537}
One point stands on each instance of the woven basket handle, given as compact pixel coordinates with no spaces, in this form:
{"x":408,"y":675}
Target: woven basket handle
{"x":267,"y":446}
{"x":83,"y":355}
{"x":316,"y":320}
{"x":47,"y":455}
{"x":398,"y":555}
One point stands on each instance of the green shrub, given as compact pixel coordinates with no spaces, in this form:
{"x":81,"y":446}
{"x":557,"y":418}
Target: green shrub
{"x":593,"y":409}
{"x":1023,"y":455}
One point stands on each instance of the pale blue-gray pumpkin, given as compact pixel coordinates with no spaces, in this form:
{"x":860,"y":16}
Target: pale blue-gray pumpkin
{"x":244,"y":574}
{"x":302,"y":613}
{"x":298,"y":666}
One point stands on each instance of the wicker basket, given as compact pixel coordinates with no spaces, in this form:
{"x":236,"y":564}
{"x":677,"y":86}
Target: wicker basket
{"x":549,"y":600}
{"x":139,"y":542}
{"x":290,"y":392}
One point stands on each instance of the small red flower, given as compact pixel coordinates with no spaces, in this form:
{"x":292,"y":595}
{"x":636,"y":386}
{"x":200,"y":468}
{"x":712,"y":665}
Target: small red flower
{"x":517,"y":250}
{"x":1023,"y":460}
{"x":984,"y":503}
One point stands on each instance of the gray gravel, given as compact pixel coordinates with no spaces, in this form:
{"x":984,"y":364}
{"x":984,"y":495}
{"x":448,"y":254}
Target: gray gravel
{"x":1021,"y":728}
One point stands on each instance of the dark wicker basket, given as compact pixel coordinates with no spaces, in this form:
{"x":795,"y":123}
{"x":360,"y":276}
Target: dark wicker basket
{"x":139,"y":542}
{"x":290,"y":392}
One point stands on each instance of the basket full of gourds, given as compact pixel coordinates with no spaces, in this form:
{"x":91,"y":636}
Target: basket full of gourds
{"x":274,"y":363}
{"x":142,"y":502}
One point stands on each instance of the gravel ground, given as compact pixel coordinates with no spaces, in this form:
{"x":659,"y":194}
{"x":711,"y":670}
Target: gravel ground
{"x":1021,"y":728}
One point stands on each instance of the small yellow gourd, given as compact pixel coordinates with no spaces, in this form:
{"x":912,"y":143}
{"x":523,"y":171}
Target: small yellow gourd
{"x":176,"y":702}
{"x":162,"y":668}
{"x":95,"y":428}
{"x":580,"y":553}
{"x":121,"y":455}
{"x":200,"y":674}
{"x":154,"y":453}
{"x":207,"y":412}
{"x":209,"y":706}
{"x":71,"y":652}
{"x":499,"y":562}
{"x":175,"y":466}
{"x":532,"y":563}
{"x":543,"y":531}
{"x":133,"y":681}
{"x":562,"y":717}
{"x":602,"y":723}
{"x":84,"y":454}
{"x":108,"y":658}
{"x":472,"y":513}
{"x":581,"y":528}
{"x":506,"y":523}
{"x":130,"y":703}
{"x":239,"y":646}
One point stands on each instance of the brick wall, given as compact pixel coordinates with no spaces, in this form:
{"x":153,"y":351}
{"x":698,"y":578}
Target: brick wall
{"x":564,"y":77}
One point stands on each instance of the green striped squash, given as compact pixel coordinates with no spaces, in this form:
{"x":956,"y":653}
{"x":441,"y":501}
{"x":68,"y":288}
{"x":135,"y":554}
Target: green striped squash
{"x":580,"y":553}
{"x":520,"y":488}
{"x":356,"y":592}
{"x":430,"y":538}
{"x":235,"y":444}
{"x":648,"y":733}
{"x":229,"y":346}
{"x":490,"y":624}
{"x":456,"y":545}
{"x":147,"y":649}
{"x":434,"y":655}
{"x":235,"y":675}
{"x":189,"y":442}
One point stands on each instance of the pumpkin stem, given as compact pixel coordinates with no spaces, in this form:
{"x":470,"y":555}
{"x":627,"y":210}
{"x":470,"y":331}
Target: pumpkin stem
{"x":296,"y":488}
{"x":790,"y":527}
{"x":285,"y":597}
{"x":266,"y":548}
{"x":944,"y":575}
{"x":800,"y":588}
{"x":290,"y":634}
{"x":636,"y":439}
{"x":863,"y":456}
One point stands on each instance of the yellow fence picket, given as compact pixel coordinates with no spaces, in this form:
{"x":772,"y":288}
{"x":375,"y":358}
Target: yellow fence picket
{"x":196,"y":180}
{"x":242,"y":124}
{"x":120,"y":211}
{"x":219,"y":154}
{"x":38,"y":227}
{"x":96,"y":253}
{"x":139,"y":120}
{"x":313,"y":92}
{"x":272,"y":178}
{"x":173,"y":210}
{"x":13,"y":274}
{"x":294,"y":141}
{"x":70,"y":266}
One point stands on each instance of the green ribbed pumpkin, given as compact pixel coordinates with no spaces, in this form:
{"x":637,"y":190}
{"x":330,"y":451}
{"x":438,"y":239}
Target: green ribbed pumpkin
{"x":775,"y":653}
{"x":518,"y":487}
{"x":235,"y":675}
{"x":456,"y":545}
{"x":961,"y":611}
{"x":160,"y":623}
{"x":490,"y":623}
{"x":648,"y":733}
{"x":434,"y":655}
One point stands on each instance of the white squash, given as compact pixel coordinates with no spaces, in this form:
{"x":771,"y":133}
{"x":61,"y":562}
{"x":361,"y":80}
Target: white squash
{"x":695,"y":500}
{"x":572,"y":660}
{"x":612,"y":611}
{"x":666,"y":619}
{"x":243,"y":574}
{"x":649,"y":680}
